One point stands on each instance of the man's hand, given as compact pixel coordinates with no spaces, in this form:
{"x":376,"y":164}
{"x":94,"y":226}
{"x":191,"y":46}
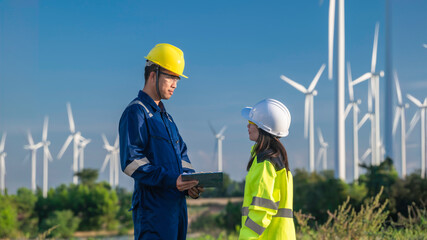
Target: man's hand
{"x":185,"y":185}
{"x":195,"y":192}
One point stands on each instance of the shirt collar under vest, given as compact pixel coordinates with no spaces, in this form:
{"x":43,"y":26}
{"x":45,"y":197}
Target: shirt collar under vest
{"x":144,"y":97}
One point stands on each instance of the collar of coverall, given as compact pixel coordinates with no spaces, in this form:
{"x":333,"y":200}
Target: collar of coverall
{"x":145,"y":98}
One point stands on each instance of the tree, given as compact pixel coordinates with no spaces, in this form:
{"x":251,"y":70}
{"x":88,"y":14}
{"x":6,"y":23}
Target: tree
{"x":87,"y":176}
{"x":376,"y":177}
{"x":25,"y":202}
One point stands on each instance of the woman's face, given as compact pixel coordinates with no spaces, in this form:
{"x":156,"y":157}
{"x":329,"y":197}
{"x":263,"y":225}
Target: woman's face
{"x":253,"y":132}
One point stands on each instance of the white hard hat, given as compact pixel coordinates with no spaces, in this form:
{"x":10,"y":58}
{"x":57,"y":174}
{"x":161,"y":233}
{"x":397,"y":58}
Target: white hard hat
{"x":270,"y":115}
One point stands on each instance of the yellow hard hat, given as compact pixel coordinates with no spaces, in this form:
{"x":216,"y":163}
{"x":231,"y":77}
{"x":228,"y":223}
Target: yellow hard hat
{"x":168,"y":57}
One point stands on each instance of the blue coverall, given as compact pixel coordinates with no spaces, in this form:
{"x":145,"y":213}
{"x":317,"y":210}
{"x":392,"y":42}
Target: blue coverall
{"x":153,"y":153}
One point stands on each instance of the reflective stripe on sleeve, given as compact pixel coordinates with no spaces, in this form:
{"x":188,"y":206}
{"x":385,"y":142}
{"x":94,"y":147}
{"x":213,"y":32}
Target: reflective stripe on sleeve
{"x":186,"y":164}
{"x":281,"y":212}
{"x":254,"y":226}
{"x":140,"y":103}
{"x":285,"y":213}
{"x":135,"y":164}
{"x":245,"y":211}
{"x":266,"y":203}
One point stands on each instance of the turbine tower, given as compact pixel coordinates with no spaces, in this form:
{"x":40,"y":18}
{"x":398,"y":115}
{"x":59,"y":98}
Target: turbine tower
{"x":33,"y":148}
{"x":220,"y":137}
{"x":75,"y":137}
{"x":422,"y":112}
{"x":2,"y":164}
{"x":375,"y":94}
{"x":81,"y":146}
{"x":340,"y":94}
{"x":309,"y":113}
{"x":353,"y":105}
{"x":113,"y":158}
{"x":46,"y":156}
{"x":400,"y":113}
{"x":323,"y":150}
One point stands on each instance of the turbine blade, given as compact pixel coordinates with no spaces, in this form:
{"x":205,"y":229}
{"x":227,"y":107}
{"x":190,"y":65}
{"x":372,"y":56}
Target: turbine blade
{"x":362,"y":78}
{"x":350,"y":85}
{"x":64,"y":147}
{"x":104,"y":138}
{"x":296,"y":85}
{"x":107,"y":158}
{"x":306,"y":112}
{"x":221,"y":132}
{"x":396,"y":119}
{"x":316,"y":78}
{"x":331,"y":29}
{"x":414,"y":100}
{"x":45,"y":125}
{"x":364,"y":119}
{"x":413,"y":122}
{"x":399,"y":93}
{"x":319,"y":133}
{"x":347,"y":110}
{"x":30,"y":138}
{"x":49,"y":156}
{"x":366,"y":154}
{"x":3,"y":140}
{"x":116,"y":143}
{"x":70,"y":118}
{"x":212,"y":128}
{"x":375,"y":48}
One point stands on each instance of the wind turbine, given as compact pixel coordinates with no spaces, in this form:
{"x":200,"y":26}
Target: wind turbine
{"x":46,"y":156}
{"x":422,"y":112}
{"x":309,"y":113}
{"x":400,"y":113}
{"x":2,"y":164}
{"x":113,"y":158}
{"x":75,"y":137}
{"x":33,"y":148}
{"x":220,"y":137}
{"x":353,"y":105}
{"x":375,"y":93}
{"x":81,"y":146}
{"x":340,"y":94}
{"x":323,"y":150}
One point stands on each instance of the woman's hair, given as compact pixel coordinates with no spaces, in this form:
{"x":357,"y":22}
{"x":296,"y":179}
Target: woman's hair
{"x":270,"y":146}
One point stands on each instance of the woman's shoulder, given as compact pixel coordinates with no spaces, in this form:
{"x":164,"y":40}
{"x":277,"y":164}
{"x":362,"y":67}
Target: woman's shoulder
{"x":275,"y":160}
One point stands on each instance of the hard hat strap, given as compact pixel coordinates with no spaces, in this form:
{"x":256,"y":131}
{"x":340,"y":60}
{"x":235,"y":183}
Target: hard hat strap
{"x":157,"y":82}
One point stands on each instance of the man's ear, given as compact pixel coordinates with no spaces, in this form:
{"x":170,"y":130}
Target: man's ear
{"x":152,"y":77}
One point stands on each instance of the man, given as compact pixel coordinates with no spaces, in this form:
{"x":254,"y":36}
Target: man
{"x":153,"y":153}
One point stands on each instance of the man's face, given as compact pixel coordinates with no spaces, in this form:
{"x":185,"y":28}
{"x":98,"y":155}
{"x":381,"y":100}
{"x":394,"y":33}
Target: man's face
{"x":167,"y":83}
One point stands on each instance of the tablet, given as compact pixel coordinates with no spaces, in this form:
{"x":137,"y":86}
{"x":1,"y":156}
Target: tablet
{"x":206,"y":179}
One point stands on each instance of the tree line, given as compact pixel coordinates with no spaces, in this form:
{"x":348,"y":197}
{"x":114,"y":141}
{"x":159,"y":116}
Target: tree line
{"x":94,"y":206}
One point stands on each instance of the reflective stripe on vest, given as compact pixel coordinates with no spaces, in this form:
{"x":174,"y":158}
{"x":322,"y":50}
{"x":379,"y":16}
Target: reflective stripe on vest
{"x":186,"y":165}
{"x":135,"y":164}
{"x":254,"y":226}
{"x":140,"y":103}
{"x":281,"y":212}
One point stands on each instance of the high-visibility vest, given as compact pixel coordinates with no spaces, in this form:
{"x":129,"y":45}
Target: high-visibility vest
{"x":267,"y":206}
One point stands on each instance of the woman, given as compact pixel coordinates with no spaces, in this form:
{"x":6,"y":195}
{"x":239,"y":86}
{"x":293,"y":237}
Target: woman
{"x":267,"y":205}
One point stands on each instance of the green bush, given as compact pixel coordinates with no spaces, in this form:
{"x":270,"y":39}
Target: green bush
{"x":63,"y":222}
{"x":8,"y":217}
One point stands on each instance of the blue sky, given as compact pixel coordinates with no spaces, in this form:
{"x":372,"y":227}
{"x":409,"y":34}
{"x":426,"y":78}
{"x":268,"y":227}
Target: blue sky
{"x":91,"y":54}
